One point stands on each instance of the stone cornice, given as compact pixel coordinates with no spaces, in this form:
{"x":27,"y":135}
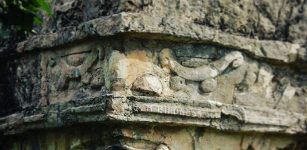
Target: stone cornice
{"x":144,"y":26}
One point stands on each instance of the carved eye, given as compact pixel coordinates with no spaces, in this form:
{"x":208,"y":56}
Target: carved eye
{"x":177,"y":83}
{"x":75,"y":59}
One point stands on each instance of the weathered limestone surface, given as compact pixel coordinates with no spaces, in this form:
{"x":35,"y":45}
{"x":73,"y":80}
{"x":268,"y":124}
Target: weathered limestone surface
{"x":161,"y":75}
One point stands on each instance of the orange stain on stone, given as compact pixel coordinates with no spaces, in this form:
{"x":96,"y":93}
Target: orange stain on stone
{"x":140,"y":55}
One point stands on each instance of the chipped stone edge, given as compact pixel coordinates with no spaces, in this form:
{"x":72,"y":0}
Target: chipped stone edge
{"x":149,"y":27}
{"x":55,"y":115}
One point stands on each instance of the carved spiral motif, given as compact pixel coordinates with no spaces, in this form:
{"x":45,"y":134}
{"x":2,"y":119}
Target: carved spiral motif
{"x":204,"y":74}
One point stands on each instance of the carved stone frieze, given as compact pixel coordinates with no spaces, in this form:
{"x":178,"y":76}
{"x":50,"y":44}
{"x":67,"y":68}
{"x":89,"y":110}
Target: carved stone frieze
{"x":159,"y":75}
{"x":203,"y":78}
{"x":71,"y":73}
{"x":185,"y":84}
{"x":203,"y":72}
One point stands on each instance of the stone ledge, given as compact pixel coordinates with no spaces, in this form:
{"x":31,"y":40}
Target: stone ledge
{"x":153,"y":110}
{"x":144,"y":26}
{"x":55,"y":115}
{"x":216,"y":115}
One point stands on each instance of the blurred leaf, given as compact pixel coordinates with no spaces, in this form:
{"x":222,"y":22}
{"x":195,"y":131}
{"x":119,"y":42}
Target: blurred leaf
{"x":19,"y":16}
{"x":44,"y":6}
{"x":37,"y":21}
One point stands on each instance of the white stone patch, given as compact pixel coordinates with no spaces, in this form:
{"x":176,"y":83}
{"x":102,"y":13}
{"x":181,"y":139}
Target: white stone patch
{"x":154,"y":83}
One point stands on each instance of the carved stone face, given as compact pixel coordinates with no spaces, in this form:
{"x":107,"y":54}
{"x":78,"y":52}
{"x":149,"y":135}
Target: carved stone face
{"x":72,"y":73}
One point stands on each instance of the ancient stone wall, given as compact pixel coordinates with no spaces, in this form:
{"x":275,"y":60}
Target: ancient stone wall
{"x":164,"y":75}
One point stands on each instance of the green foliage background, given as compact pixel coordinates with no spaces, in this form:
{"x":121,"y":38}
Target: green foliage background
{"x":17,"y":17}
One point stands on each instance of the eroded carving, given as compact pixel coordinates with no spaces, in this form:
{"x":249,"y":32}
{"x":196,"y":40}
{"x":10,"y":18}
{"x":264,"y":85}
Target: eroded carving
{"x":237,"y":112}
{"x":189,"y":80}
{"x":234,"y":59}
{"x":208,"y":85}
{"x":134,"y":73}
{"x":74,"y":73}
{"x":74,"y":67}
{"x":148,"y":84}
{"x":239,"y":79}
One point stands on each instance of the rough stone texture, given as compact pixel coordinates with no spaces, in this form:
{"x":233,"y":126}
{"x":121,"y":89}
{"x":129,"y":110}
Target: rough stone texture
{"x":73,"y":73}
{"x":161,"y":75}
